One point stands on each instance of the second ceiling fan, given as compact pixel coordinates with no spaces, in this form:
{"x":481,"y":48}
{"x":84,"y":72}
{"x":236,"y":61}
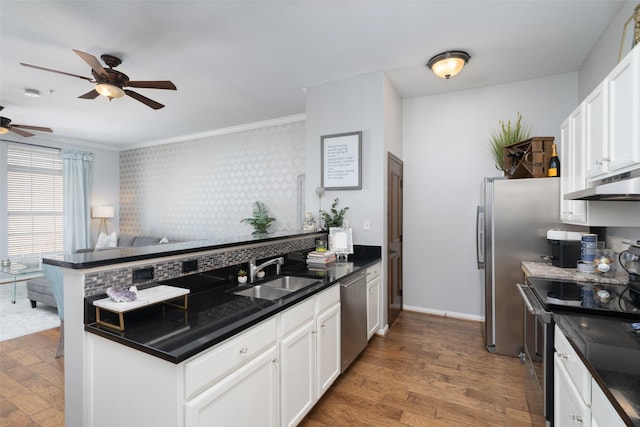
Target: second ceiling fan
{"x":111,"y":83}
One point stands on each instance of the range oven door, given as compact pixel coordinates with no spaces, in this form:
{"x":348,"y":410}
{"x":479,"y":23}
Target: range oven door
{"x":538,"y":354}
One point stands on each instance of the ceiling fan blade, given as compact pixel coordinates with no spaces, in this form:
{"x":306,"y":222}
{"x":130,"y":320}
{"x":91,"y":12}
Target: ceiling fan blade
{"x":41,"y":129}
{"x":92,"y":94}
{"x":20,"y":132}
{"x":93,"y":62}
{"x":153,"y":84}
{"x":56,"y":71}
{"x":149,"y":102}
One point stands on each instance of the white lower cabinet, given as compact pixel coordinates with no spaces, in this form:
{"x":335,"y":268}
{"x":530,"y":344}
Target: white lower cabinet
{"x":247,"y":397}
{"x":373,"y":299}
{"x":269,"y":375}
{"x":603,"y":414}
{"x":577,"y":398}
{"x":309,"y":353}
{"x":569,"y":407}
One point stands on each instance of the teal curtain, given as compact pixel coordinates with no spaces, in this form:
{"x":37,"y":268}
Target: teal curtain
{"x":77,"y":180}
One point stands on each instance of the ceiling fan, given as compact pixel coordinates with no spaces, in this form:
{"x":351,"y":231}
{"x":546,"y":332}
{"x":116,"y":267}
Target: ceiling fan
{"x":111,"y":83}
{"x":6,"y":126}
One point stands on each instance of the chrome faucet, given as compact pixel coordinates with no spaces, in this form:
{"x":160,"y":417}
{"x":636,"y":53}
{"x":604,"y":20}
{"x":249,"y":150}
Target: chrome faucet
{"x":253,"y":269}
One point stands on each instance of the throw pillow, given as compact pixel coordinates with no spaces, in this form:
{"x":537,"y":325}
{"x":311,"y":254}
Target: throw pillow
{"x":106,"y":242}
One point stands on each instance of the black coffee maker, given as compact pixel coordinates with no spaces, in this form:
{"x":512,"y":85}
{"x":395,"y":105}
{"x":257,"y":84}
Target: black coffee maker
{"x":630,"y":262}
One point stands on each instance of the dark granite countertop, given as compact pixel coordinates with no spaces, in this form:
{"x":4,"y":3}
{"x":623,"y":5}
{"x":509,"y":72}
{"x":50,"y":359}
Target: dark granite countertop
{"x":611,"y":351}
{"x":214,"y":314}
{"x":128,"y":254}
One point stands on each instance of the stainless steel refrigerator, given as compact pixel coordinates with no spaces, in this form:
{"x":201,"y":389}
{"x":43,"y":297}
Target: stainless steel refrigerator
{"x":512,"y":227}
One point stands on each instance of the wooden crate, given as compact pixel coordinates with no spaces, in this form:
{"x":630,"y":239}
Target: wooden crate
{"x":528,"y":158}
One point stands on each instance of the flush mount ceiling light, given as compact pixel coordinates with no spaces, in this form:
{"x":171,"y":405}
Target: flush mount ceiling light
{"x":447,"y":64}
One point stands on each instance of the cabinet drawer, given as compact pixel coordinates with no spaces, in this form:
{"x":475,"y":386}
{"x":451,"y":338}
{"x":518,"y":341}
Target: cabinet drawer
{"x":295,"y":316}
{"x":570,"y":360}
{"x":328,"y":297}
{"x":373,"y":271}
{"x":205,"y":370}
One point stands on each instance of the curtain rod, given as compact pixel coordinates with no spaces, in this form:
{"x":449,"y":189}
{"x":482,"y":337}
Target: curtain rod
{"x":28,"y":143}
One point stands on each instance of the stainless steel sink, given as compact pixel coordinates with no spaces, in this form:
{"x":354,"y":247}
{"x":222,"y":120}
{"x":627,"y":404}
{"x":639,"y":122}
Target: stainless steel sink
{"x":263,"y":292}
{"x":277,"y":288}
{"x":291,"y":283}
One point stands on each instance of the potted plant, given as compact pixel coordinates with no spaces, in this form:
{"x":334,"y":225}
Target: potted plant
{"x":507,"y":135}
{"x":260,"y":220}
{"x":242,"y":276}
{"x":335,"y":217}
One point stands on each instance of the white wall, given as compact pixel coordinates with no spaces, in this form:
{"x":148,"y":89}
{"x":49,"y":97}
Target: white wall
{"x":354,"y":104}
{"x":446,"y":155}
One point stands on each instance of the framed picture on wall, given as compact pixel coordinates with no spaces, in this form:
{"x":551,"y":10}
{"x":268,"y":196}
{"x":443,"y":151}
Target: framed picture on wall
{"x":341,"y":167}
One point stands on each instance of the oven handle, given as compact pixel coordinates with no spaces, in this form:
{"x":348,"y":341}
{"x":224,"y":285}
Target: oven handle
{"x":533,"y":305}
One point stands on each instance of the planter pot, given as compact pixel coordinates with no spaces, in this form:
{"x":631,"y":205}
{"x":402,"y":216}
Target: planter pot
{"x":242,"y":279}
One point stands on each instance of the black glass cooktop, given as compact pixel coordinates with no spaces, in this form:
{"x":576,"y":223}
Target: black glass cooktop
{"x":584,"y":297}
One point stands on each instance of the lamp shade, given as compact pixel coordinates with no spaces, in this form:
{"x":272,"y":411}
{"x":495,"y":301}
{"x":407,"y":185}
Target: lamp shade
{"x":109,"y":90}
{"x":447,"y":64}
{"x":102,"y":212}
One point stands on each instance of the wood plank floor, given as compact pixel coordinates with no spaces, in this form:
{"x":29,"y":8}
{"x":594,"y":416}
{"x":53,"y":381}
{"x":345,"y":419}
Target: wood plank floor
{"x":428,"y":371}
{"x":31,"y":381}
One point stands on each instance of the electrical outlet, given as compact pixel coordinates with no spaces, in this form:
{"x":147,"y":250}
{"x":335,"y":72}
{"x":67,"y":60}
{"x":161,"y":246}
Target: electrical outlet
{"x":367,"y":225}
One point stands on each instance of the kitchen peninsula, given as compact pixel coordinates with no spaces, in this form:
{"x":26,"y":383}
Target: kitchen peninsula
{"x":162,"y":346}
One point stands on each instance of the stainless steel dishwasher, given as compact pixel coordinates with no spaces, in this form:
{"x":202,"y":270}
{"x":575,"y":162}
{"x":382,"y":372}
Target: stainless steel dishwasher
{"x":353,"y":301}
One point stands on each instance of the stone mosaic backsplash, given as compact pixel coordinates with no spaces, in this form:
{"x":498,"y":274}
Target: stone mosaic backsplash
{"x":98,"y":283}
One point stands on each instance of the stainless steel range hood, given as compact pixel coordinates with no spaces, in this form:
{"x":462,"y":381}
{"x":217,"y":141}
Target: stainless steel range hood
{"x":622,"y":187}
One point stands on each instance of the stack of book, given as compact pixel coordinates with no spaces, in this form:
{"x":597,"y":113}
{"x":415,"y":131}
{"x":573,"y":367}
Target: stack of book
{"x":320,"y":260}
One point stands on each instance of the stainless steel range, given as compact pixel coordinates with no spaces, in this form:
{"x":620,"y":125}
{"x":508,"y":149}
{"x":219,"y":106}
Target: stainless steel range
{"x":542,"y":297}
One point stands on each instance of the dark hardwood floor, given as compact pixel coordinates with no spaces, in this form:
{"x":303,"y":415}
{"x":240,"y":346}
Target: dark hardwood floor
{"x":428,"y":371}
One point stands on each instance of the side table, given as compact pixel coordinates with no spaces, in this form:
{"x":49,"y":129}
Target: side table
{"x":20,"y":271}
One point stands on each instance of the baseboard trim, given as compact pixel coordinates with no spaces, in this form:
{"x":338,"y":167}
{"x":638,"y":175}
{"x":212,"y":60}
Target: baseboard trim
{"x":442,"y":313}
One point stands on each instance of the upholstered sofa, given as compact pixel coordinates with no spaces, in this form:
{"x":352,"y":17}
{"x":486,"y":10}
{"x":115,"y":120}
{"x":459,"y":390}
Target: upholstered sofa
{"x":39,"y":291}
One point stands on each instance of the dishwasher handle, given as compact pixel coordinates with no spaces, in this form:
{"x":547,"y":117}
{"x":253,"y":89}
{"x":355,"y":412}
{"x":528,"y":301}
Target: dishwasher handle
{"x":346,"y":285}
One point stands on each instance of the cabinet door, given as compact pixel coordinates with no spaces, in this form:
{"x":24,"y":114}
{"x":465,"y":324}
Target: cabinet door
{"x":297,"y":367}
{"x":328,"y":349}
{"x":569,"y":410}
{"x":247,"y":397}
{"x":373,"y":305}
{"x":624,"y":113}
{"x":572,"y":171}
{"x":596,"y":132}
{"x":602,"y":411}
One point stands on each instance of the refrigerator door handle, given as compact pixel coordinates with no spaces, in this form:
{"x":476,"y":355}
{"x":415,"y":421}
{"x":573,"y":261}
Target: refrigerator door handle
{"x":480,"y":237}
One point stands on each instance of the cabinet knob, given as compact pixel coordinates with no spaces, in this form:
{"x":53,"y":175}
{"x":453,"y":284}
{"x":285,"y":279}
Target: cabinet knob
{"x":243,"y":350}
{"x":323,"y":326}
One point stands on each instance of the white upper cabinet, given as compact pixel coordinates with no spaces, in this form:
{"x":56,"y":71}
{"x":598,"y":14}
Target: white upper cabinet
{"x":572,"y":172}
{"x":596,"y":132}
{"x":624,"y":114}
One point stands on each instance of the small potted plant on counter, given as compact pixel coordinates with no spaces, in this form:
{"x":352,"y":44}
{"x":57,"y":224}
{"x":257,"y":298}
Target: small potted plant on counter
{"x":335,"y":217}
{"x":242,"y":276}
{"x":260,"y":220}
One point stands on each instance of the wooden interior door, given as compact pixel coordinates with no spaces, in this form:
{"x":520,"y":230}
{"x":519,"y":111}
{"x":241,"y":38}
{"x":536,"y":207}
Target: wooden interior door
{"x":394,"y":237}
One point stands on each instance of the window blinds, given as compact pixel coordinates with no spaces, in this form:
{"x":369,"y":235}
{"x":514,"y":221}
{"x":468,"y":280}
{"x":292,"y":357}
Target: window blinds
{"x":34,"y":201}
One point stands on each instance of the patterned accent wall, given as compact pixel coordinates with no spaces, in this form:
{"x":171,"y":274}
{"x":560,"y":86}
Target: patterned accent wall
{"x":203,"y":188}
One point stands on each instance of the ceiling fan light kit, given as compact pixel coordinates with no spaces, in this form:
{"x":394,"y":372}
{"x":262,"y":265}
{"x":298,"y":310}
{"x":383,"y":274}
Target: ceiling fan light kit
{"x":447,"y":64}
{"x":111,"y":83}
{"x":109,"y":91}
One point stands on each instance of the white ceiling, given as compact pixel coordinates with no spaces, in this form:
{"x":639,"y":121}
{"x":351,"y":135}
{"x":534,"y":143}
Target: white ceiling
{"x":239,"y":62}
